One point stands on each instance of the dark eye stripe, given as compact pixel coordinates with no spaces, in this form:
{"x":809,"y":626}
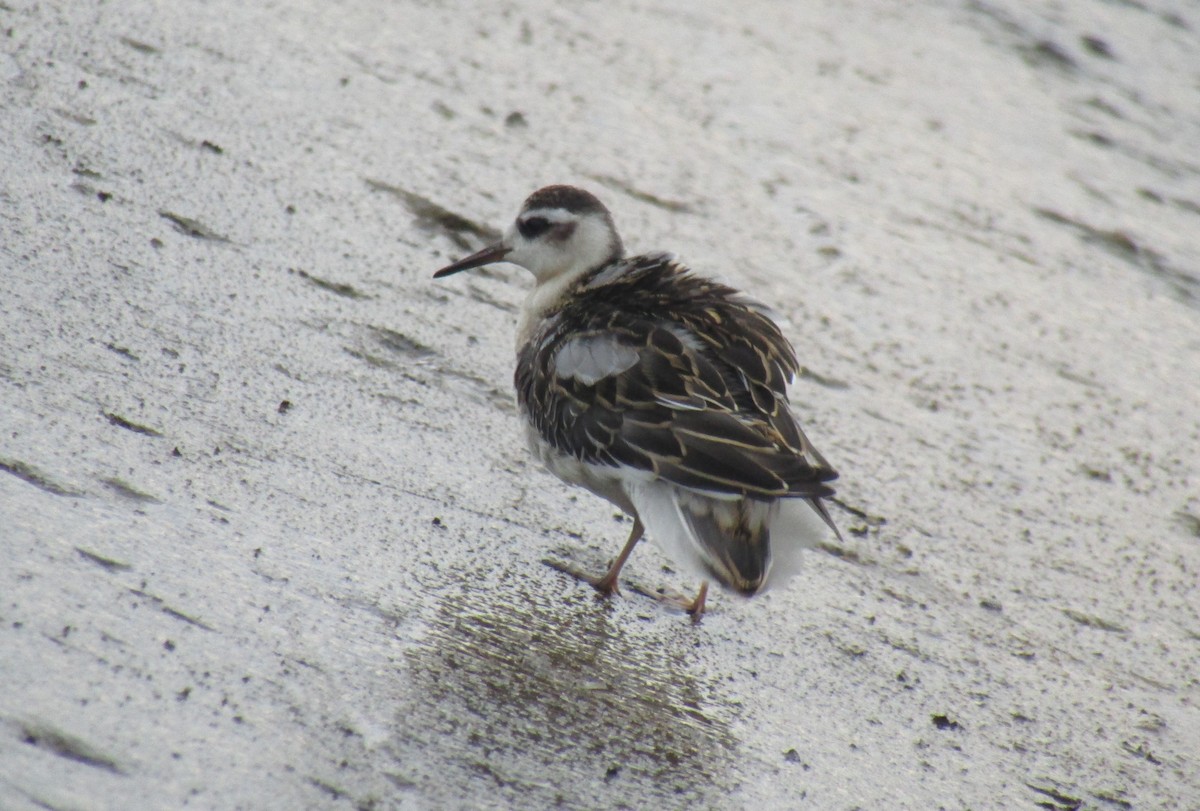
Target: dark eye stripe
{"x":533,"y":227}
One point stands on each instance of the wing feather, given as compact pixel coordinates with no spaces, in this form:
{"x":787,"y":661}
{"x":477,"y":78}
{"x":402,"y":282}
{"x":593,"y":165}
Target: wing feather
{"x":662,"y":371}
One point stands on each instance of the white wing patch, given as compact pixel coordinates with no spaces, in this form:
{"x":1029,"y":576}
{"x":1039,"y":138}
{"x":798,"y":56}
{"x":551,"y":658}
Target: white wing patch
{"x":590,"y":358}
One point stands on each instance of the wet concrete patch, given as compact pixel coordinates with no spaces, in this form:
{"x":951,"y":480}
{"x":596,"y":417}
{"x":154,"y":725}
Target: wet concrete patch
{"x":337,"y":288}
{"x":400,"y":344}
{"x":821,"y":380}
{"x":436,"y":219}
{"x":127,"y":491}
{"x":70,"y":747}
{"x":158,"y":602}
{"x":139,"y":46}
{"x":129,"y":425}
{"x":676,"y":206}
{"x":124,"y":352}
{"x":37,"y":478}
{"x":1183,"y":285}
{"x":106,"y":563}
{"x":1090,"y":621}
{"x":541,"y":706}
{"x":192,"y":228}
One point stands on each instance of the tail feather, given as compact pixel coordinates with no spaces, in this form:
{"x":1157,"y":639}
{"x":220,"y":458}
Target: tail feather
{"x":819,"y":506}
{"x":747,"y":545}
{"x":734,"y":537}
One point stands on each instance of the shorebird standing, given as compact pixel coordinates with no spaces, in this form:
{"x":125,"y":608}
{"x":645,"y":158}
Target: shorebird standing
{"x":663,"y":392}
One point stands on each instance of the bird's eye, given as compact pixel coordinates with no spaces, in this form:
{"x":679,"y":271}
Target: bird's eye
{"x":533,"y":227}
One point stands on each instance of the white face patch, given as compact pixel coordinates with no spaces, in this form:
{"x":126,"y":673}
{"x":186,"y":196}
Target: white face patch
{"x":583,"y":248}
{"x":590,"y":358}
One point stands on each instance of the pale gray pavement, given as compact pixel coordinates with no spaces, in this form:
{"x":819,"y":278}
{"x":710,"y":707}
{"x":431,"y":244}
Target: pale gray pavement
{"x":269,"y":538}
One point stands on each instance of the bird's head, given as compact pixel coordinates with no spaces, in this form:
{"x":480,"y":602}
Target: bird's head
{"x":560,"y":230}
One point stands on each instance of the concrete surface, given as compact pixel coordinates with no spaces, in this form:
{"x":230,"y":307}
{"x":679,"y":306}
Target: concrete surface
{"x":268,"y":534}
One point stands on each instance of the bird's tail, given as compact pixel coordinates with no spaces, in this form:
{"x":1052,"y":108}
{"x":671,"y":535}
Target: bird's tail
{"x":745,"y":544}
{"x":733,"y":538}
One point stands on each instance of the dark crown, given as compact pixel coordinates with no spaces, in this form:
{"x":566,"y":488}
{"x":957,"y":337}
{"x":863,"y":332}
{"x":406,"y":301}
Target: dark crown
{"x":569,"y":198}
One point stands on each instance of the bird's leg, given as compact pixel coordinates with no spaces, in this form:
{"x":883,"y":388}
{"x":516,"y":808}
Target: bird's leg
{"x":697,"y":607}
{"x":607,"y":585}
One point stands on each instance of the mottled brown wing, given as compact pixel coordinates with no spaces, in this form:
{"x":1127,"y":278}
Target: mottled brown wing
{"x":699,"y":402}
{"x":741,"y":338}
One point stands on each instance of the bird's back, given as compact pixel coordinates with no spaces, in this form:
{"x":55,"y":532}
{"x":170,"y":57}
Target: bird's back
{"x":677,"y":384}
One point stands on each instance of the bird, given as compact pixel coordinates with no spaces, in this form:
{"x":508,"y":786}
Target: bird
{"x":664,"y":392}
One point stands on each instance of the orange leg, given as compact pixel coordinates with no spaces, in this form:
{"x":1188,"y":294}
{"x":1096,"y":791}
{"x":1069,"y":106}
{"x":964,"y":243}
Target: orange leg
{"x":607,"y":585}
{"x":697,"y":607}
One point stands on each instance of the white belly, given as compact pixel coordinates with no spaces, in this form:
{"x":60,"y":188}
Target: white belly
{"x":604,"y":480}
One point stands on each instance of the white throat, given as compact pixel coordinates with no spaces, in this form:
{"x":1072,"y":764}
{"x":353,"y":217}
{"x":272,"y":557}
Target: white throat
{"x":557,"y":265}
{"x":545,"y":297}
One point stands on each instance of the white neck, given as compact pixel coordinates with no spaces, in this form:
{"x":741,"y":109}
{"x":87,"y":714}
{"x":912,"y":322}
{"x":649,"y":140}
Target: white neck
{"x":558,"y":266}
{"x":543,"y":298}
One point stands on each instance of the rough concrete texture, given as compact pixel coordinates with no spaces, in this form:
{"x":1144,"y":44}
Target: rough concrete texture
{"x":269,"y":537}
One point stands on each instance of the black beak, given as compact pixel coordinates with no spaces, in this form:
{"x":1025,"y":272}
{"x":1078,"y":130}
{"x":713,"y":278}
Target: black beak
{"x":492,"y":253}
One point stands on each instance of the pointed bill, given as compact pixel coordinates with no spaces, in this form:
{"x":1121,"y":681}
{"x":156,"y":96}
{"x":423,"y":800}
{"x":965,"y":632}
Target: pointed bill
{"x":492,"y":253}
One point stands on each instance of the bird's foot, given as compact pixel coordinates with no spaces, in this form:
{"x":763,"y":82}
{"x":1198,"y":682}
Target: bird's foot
{"x":697,"y":607}
{"x":605,"y":586}
{"x":689,"y":605}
